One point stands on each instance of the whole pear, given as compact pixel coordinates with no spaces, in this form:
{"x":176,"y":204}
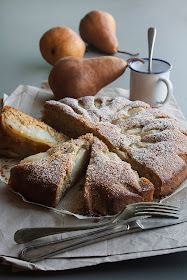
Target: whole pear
{"x":98,"y":28}
{"x":77,"y":77}
{"x":59,"y":42}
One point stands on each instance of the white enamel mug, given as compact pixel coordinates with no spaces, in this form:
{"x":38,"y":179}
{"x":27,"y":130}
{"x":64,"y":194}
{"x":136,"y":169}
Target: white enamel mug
{"x":153,"y":87}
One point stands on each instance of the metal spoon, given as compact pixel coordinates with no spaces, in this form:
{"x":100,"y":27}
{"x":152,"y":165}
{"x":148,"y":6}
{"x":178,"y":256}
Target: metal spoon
{"x":151,"y":42}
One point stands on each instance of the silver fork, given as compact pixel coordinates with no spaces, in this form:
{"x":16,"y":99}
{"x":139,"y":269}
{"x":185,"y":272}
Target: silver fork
{"x":132,"y":211}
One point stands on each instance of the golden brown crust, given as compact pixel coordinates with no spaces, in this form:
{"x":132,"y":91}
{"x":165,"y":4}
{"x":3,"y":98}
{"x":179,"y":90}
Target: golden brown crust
{"x":22,"y":135}
{"x":77,"y":117}
{"x":163,"y":166}
{"x":111,"y":184}
{"x":39,"y":182}
{"x":154,"y":143}
{"x":45,"y":181}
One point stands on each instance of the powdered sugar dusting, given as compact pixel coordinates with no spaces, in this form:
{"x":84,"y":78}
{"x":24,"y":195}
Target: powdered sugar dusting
{"x":49,"y":171}
{"x":153,"y":141}
{"x":109,"y":174}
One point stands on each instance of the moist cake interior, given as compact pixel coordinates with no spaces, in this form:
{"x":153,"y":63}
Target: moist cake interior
{"x":44,"y":178}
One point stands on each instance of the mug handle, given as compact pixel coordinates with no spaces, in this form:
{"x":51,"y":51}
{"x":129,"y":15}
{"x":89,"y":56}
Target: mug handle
{"x":169,"y":89}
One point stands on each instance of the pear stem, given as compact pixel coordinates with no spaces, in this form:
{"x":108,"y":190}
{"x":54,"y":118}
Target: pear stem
{"x":132,"y":54}
{"x":135,"y":59}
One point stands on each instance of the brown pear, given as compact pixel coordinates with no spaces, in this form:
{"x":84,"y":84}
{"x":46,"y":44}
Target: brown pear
{"x":59,"y":42}
{"x":98,"y":28}
{"x":77,"y":77}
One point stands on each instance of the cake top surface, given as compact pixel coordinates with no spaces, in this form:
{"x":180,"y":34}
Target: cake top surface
{"x":140,"y":132}
{"x":51,"y":167}
{"x":125,"y":123}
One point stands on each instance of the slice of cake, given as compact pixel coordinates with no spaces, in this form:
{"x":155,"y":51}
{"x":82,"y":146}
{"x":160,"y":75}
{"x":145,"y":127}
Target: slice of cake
{"x":44,"y":178}
{"x":22,"y":135}
{"x":111,"y":183}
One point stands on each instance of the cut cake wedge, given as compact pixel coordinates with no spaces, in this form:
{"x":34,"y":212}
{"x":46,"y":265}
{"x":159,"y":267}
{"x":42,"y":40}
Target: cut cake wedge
{"x":111,"y":183}
{"x":44,"y":178}
{"x":22,"y":135}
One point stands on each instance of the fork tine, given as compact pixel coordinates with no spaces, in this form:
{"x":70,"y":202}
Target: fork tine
{"x":158,"y":213}
{"x":154,"y":208}
{"x":160,"y":205}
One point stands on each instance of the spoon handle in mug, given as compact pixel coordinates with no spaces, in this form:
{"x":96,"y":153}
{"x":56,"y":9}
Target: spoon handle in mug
{"x":151,"y":42}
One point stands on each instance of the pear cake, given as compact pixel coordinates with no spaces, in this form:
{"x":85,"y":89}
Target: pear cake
{"x":22,"y":135}
{"x":44,"y":178}
{"x":151,"y":141}
{"x":111,"y":183}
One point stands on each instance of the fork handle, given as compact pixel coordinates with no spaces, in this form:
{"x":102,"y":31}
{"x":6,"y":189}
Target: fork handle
{"x":48,"y":249}
{"x":28,"y":234}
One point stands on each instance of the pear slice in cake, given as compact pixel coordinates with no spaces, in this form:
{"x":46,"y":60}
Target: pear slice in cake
{"x":44,"y":178}
{"x":111,"y":183}
{"x":22,"y":135}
